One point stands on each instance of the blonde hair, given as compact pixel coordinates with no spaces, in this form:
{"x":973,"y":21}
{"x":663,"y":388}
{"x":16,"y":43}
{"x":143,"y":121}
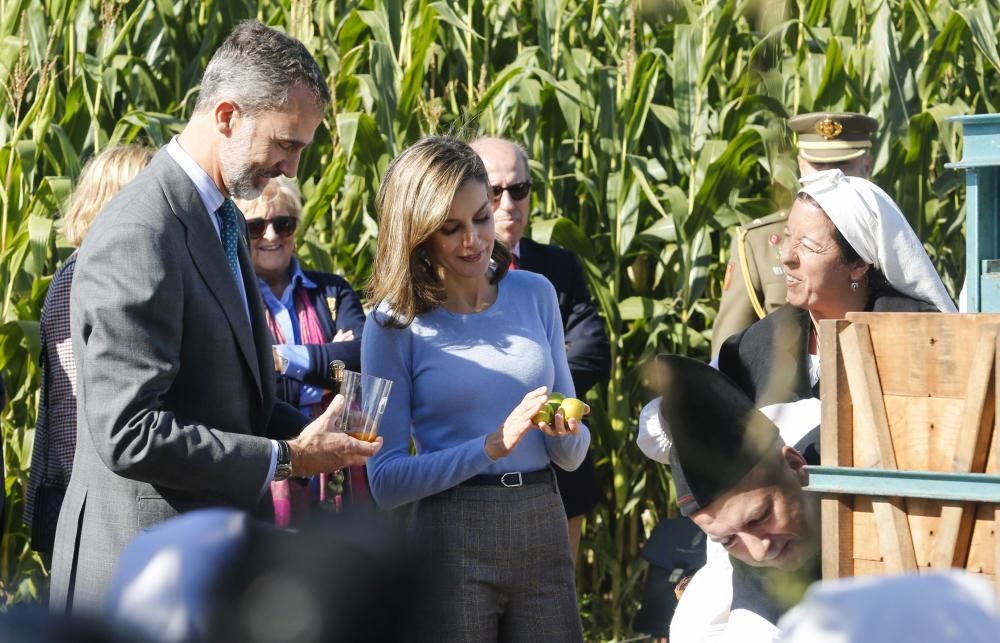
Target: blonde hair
{"x":102,"y":177}
{"x":281,"y":189}
{"x":412,"y":203}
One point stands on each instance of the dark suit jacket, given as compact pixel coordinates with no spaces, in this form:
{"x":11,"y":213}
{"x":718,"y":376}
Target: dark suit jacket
{"x":175,"y":388}
{"x":350,"y":316}
{"x":55,"y":427}
{"x":587,"y":347}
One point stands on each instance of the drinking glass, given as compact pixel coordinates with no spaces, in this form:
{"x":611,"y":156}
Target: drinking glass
{"x":365,"y":397}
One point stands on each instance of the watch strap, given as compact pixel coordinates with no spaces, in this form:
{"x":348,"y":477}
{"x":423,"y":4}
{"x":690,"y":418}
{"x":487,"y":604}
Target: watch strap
{"x":283,"y":469}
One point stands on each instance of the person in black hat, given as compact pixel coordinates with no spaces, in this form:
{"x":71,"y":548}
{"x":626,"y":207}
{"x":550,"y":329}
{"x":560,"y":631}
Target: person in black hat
{"x":740,"y":483}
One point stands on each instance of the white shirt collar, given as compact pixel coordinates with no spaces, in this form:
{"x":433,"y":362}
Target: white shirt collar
{"x":516,"y":250}
{"x":210,"y":194}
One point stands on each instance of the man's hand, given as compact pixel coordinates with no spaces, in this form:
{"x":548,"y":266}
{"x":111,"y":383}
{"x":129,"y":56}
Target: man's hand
{"x":322,"y":448}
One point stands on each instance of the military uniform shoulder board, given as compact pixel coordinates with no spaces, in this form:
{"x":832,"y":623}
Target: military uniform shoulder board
{"x":770,"y":219}
{"x":331,"y":303}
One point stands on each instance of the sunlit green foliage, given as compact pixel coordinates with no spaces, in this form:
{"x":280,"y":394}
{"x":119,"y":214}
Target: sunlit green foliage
{"x":653,"y":128}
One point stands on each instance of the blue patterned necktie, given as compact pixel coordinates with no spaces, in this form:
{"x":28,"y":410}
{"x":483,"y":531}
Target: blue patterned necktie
{"x":230,"y":214}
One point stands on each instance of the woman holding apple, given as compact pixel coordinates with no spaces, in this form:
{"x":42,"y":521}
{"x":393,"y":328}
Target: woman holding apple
{"x":474,"y":352}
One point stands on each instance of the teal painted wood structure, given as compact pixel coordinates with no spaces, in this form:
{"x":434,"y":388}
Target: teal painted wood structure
{"x":971,"y":487}
{"x":981,"y":162}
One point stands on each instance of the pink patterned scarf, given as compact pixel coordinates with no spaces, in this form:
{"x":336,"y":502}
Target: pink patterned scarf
{"x":292,"y":498}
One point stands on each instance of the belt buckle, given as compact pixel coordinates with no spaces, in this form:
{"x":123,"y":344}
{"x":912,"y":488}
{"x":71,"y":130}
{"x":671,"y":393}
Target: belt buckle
{"x":519,"y":483}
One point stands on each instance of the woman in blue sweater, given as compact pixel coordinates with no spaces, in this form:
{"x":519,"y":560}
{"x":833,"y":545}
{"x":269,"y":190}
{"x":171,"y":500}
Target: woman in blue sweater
{"x":473,"y":351}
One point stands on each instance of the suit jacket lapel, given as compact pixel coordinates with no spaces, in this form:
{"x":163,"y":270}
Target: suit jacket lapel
{"x":261,"y":333}
{"x":210,"y":261}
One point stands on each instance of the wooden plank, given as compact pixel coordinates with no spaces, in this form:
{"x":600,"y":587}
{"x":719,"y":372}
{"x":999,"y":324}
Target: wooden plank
{"x":996,"y":549}
{"x":894,"y":535}
{"x":836,"y":438}
{"x":982,"y":558}
{"x":924,"y":354}
{"x":980,"y":403}
{"x":872,"y":424}
{"x":924,"y":431}
{"x":995,"y":461}
{"x":969,"y":454}
{"x":863,"y":525}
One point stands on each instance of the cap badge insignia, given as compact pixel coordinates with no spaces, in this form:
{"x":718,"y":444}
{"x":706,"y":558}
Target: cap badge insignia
{"x":828,"y":128}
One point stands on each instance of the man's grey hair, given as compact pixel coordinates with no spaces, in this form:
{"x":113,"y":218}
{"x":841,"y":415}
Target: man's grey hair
{"x":256,"y":67}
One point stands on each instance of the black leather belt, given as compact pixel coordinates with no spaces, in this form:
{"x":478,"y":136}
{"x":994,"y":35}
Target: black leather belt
{"x":510,"y":479}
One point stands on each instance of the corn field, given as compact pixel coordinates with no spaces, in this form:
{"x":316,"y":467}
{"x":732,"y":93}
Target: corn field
{"x":654,"y":127}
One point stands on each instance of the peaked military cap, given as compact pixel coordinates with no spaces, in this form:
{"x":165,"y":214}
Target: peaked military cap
{"x":832,"y":137}
{"x":717,"y":435}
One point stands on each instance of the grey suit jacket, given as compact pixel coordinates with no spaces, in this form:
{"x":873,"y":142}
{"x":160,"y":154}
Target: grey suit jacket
{"x":175,"y":386}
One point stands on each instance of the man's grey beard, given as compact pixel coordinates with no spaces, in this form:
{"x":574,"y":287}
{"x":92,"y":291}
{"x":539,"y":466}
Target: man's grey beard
{"x":237,"y":170}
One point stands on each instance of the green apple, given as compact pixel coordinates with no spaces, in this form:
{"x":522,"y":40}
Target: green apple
{"x":573,"y":408}
{"x":556,"y":398}
{"x":545,"y":414}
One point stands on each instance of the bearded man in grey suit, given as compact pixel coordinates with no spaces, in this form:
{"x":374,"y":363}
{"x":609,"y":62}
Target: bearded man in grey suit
{"x":176,"y":390}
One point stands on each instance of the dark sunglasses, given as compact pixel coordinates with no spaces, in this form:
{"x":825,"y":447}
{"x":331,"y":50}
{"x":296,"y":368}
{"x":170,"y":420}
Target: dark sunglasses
{"x":517,"y":190}
{"x":283,"y":226}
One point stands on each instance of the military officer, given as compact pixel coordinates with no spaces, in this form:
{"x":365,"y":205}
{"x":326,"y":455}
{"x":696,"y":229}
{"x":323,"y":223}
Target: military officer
{"x":755,"y":281}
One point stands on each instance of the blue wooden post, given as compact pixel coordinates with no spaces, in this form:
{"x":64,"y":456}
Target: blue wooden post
{"x":981,"y":161}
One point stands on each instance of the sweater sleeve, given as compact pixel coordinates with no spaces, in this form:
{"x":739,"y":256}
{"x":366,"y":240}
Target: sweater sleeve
{"x":567,"y":452}
{"x":396,"y":477}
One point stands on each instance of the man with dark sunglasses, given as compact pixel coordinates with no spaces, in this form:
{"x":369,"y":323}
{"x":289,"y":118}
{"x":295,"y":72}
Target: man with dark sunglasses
{"x":587,"y":347}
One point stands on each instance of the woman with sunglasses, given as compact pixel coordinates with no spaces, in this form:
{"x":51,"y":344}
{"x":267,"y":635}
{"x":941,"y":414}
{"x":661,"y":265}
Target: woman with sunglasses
{"x":473,"y":351}
{"x":314,"y":317}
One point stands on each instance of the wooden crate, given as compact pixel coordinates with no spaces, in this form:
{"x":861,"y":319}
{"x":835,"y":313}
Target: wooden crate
{"x":909,"y":412}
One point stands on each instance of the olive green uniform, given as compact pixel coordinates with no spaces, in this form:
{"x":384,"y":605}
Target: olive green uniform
{"x":763,"y":280}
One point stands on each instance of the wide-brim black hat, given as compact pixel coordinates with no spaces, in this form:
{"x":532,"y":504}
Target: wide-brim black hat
{"x":717,"y":434}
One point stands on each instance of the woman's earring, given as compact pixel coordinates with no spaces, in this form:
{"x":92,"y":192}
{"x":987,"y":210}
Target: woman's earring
{"x":854,"y":285}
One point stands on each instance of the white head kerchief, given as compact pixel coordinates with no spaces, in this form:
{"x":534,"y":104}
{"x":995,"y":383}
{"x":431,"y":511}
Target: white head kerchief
{"x":949,"y":605}
{"x":874,"y":226}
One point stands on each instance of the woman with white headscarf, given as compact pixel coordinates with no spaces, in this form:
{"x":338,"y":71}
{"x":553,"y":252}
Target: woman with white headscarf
{"x":847,"y":247}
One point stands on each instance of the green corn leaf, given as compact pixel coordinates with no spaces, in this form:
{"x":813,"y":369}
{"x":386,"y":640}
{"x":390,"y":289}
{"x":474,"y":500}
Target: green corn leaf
{"x":634,"y":308}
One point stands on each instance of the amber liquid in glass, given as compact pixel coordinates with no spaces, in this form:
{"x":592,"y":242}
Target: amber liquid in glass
{"x":360,"y":435}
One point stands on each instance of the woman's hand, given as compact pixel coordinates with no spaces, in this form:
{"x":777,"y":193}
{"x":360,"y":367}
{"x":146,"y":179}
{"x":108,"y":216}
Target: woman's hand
{"x":502,"y":441}
{"x":344,"y":335}
{"x":560,"y":427}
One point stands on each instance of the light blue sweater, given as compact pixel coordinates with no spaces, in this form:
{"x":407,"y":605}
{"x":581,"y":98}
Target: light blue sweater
{"x":456,"y":379}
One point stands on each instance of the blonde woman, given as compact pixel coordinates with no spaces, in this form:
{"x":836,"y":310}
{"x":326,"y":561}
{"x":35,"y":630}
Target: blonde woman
{"x":55,"y":428}
{"x":472,"y":350}
{"x":314,"y":317}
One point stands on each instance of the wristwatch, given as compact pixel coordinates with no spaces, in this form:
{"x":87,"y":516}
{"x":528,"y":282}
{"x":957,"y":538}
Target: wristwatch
{"x":283,"y":470}
{"x":280,"y":361}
